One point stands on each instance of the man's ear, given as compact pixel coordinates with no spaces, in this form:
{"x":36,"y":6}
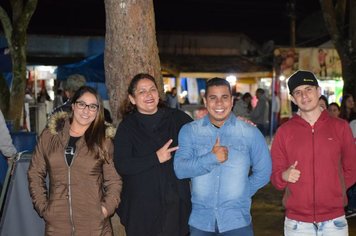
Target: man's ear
{"x":132,"y":100}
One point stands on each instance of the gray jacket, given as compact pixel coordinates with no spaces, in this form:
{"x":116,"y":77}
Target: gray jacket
{"x":259,"y":115}
{"x":6,"y":146}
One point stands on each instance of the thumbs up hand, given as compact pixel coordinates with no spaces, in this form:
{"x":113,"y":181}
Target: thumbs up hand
{"x":221,"y":152}
{"x":291,"y":175}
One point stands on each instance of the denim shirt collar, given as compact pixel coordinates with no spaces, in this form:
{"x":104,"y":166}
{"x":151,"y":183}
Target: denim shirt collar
{"x":229,"y":121}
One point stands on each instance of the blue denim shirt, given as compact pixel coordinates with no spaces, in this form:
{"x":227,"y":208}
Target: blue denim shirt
{"x":221,"y":192}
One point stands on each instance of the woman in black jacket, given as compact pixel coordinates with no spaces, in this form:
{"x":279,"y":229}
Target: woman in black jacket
{"x":153,"y":201}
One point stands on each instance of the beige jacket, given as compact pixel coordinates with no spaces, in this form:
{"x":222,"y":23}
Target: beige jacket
{"x":71,"y":205}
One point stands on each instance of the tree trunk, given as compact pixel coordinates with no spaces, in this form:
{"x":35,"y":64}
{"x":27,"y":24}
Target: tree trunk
{"x":345,"y":42}
{"x":15,"y":32}
{"x":348,"y":75}
{"x":18,"y":85}
{"x":130,"y":47}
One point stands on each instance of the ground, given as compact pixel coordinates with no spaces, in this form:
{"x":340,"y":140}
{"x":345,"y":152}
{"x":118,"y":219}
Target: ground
{"x":267,"y":214}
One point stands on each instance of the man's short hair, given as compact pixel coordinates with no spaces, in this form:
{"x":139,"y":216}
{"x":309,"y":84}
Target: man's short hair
{"x":260,"y":91}
{"x":217,"y":82}
{"x":74,"y":82}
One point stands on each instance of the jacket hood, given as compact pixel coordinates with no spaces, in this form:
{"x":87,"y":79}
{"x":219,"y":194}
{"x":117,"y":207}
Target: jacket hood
{"x":59,"y":120}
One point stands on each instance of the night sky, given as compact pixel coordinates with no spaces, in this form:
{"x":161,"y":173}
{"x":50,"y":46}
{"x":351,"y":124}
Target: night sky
{"x":261,"y":20}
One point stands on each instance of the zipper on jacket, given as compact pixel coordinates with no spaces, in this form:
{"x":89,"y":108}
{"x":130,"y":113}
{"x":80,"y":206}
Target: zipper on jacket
{"x":70,"y":194}
{"x":313,"y":173}
{"x":70,"y":202}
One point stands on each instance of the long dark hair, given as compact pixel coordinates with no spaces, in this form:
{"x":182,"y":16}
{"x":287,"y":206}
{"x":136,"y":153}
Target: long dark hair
{"x":127,"y":107}
{"x":246,"y":96}
{"x":344,"y":113}
{"x":95,"y":135}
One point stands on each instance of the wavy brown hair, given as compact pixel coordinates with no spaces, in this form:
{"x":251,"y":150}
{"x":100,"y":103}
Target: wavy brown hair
{"x":126,"y":106}
{"x":95,"y":135}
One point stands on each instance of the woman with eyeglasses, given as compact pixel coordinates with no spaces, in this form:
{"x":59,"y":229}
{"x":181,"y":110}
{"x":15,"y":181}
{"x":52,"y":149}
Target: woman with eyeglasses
{"x":153,"y":201}
{"x":75,"y":152}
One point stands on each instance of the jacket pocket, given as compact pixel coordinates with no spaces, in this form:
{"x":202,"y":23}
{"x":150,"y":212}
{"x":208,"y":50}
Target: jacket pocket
{"x":48,"y":213}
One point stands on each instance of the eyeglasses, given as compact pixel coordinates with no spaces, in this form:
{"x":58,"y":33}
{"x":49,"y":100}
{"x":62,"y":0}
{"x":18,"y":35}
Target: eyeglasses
{"x":82,"y":105}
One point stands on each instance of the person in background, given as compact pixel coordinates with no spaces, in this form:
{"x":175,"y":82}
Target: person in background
{"x":76,"y":152}
{"x":323,"y":102}
{"x":353,"y":128}
{"x":200,"y":113}
{"x":227,"y":161}
{"x":276,"y":107}
{"x":58,"y":99}
{"x":334,"y":109}
{"x":314,"y":161}
{"x":43,"y":95}
{"x":172,"y":99}
{"x":347,"y":112}
{"x":237,"y":97}
{"x":28,"y":96}
{"x":347,"y":107}
{"x":243,"y":107}
{"x":71,"y":85}
{"x":6,"y":146}
{"x":154,"y":201}
{"x":201,"y":96}
{"x":322,"y":62}
{"x":259,"y":114}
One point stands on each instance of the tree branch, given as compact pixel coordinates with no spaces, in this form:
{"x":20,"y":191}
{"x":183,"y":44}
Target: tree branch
{"x":6,"y":25}
{"x":30,"y":8}
{"x":340,"y":9}
{"x":335,"y":32}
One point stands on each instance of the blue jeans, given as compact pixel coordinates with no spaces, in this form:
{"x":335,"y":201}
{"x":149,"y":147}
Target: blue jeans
{"x":334,"y":227}
{"x":244,"y":231}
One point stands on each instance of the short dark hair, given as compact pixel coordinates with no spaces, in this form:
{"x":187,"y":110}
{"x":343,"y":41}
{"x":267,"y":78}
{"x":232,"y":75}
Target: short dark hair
{"x":334,"y":104}
{"x":322,"y":97}
{"x":260,"y":91}
{"x":216,"y":81}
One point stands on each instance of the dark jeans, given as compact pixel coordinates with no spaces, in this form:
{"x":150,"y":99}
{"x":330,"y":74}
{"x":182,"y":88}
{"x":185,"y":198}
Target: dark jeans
{"x":245,"y":231}
{"x":351,"y":195}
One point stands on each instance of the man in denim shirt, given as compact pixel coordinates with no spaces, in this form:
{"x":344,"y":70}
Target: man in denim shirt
{"x":227,"y":160}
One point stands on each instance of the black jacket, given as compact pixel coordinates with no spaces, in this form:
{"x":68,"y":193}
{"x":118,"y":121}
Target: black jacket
{"x":148,"y":186}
